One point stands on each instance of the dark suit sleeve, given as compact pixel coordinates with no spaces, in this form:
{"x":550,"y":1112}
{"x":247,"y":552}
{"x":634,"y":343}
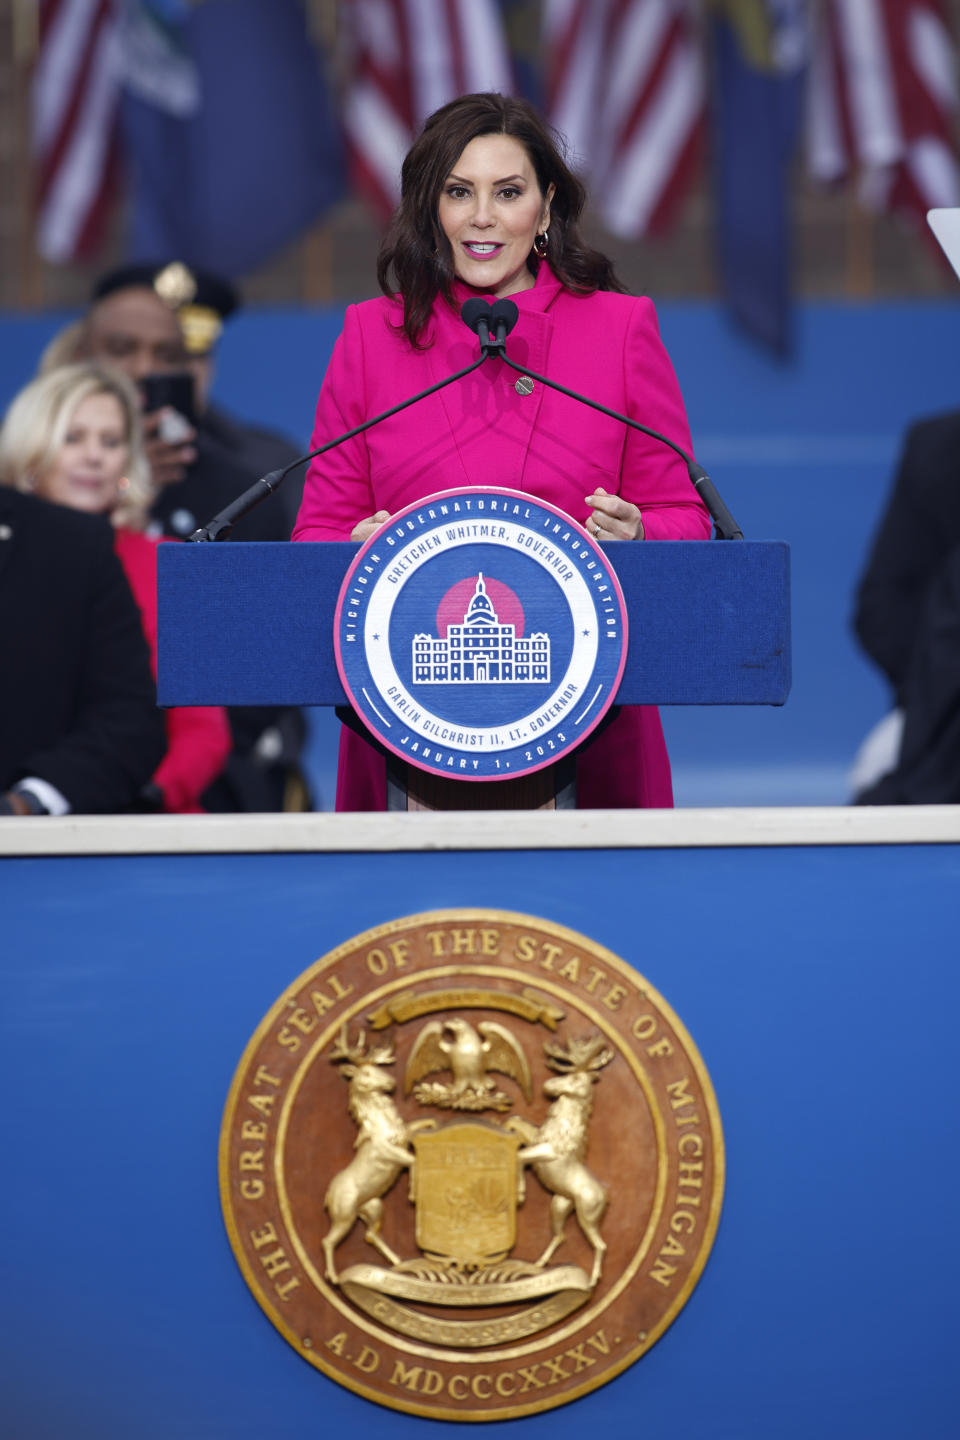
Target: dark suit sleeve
{"x":928,"y":770}
{"x":116,"y":739}
{"x":910,"y":545}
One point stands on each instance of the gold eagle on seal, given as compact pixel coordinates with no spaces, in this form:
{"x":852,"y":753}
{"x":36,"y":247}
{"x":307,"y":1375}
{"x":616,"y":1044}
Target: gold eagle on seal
{"x":468,"y":1054}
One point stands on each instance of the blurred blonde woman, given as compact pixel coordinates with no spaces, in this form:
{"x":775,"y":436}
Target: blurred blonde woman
{"x":73,"y":437}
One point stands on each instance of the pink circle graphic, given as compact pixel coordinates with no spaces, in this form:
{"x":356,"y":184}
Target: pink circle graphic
{"x":505,"y":602}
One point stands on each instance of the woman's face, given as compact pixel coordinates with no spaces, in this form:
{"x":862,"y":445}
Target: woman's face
{"x":89,"y":465}
{"x":490,"y":210}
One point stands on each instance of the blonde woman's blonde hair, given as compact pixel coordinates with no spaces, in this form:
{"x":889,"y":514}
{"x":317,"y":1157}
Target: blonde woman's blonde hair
{"x":63,"y":349}
{"x":39,"y":418}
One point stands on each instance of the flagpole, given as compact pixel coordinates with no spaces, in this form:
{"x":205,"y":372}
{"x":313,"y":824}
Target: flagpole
{"x":860,"y":267}
{"x":25,"y":33}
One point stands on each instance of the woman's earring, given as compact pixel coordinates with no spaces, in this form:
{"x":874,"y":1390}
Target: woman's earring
{"x":123,"y":484}
{"x":540,"y":243}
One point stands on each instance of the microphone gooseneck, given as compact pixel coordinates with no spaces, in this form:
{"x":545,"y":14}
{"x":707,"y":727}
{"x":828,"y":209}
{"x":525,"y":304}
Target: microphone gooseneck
{"x":223,"y":522}
{"x":503,"y":315}
{"x":724,"y":524}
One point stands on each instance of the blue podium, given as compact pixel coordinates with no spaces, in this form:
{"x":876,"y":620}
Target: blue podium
{"x":253,"y":624}
{"x":245,"y":624}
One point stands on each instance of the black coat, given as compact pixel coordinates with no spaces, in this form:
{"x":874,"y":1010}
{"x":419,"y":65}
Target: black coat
{"x":908,"y":615}
{"x":919,"y":529}
{"x":79,"y":701}
{"x":259,"y":451}
{"x":211,"y":482}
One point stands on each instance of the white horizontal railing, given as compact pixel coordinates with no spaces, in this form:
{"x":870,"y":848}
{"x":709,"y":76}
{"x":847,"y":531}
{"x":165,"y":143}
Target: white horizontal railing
{"x":479,"y":830}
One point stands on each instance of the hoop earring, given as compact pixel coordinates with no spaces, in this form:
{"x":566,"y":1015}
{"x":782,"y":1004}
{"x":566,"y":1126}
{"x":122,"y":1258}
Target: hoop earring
{"x":540,"y":244}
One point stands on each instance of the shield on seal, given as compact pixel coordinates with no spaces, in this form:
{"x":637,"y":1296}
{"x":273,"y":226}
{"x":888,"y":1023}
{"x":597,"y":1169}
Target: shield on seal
{"x":465,"y":1191}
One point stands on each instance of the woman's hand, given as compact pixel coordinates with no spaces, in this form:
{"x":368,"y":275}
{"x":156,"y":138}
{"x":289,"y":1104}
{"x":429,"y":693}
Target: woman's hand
{"x":370,"y":526}
{"x":613,"y":518}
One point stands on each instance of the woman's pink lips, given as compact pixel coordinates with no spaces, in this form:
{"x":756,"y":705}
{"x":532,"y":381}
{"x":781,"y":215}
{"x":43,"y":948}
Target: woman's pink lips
{"x":484,"y":254}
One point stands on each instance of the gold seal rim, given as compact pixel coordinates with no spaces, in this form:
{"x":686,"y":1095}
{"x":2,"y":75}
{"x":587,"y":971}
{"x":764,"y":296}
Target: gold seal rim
{"x":714,"y":1125}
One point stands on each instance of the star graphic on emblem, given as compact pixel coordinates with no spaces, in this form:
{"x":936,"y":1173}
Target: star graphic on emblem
{"x":586,"y":632}
{"x":376,"y":637}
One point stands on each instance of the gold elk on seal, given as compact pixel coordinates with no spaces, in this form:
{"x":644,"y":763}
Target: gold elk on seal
{"x":471,"y":1165}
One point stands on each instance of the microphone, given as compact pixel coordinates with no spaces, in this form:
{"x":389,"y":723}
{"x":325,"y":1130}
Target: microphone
{"x":477,"y":314}
{"x":503,"y":315}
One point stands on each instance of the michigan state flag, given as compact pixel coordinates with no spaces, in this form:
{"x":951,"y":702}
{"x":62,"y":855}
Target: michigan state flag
{"x":232,"y":145}
{"x":760,"y":52}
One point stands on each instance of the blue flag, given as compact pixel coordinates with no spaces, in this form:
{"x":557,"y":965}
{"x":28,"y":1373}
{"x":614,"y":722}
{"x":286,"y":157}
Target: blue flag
{"x":760,"y":53}
{"x":232,"y":144}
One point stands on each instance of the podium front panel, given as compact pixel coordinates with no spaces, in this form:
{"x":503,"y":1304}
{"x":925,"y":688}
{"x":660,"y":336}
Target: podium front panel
{"x":243,"y":624}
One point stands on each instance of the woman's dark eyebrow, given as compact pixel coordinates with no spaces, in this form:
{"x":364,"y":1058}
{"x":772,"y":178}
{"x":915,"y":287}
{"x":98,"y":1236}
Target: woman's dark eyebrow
{"x":508,"y":179}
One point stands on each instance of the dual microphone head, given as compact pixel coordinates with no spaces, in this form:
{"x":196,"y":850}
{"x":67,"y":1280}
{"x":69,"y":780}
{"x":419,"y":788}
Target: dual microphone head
{"x":483,"y":318}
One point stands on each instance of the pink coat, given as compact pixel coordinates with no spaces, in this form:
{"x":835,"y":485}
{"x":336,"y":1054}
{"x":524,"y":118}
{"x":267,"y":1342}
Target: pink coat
{"x":480,"y":431}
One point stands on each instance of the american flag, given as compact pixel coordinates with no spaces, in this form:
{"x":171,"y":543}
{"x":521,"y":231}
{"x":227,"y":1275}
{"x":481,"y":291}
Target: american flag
{"x":405,"y":58}
{"x":626,"y":87}
{"x":74,"y":96}
{"x":883,"y":103}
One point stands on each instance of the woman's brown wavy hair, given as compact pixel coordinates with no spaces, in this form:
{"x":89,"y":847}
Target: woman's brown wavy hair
{"x":415,"y":257}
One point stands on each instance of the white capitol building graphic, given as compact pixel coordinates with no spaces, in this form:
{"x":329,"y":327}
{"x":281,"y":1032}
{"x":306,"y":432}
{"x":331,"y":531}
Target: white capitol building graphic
{"x":481,"y":651}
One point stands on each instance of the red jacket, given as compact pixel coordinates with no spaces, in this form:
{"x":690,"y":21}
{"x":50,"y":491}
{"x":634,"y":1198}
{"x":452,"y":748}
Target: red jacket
{"x":198,"y":736}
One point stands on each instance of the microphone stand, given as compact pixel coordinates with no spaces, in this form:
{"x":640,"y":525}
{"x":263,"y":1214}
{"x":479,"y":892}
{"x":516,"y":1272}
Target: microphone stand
{"x":223,"y":522}
{"x":725,"y":525}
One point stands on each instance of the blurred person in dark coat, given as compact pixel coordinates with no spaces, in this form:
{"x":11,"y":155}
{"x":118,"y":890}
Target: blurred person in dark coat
{"x":72,"y":436}
{"x":79,"y":727}
{"x":908,"y":619}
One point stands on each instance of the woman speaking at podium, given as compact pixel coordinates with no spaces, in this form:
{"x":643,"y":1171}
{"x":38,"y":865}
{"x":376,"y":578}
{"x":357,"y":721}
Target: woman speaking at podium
{"x":488,"y":207}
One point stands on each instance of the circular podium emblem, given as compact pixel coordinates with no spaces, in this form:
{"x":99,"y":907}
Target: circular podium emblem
{"x":480,"y":634}
{"x":471,"y":1165}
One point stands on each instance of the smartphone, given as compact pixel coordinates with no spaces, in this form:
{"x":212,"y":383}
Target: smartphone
{"x":174,"y":390}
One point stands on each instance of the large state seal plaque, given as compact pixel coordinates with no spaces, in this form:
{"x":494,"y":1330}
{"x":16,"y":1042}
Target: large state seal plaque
{"x":471,"y":1165}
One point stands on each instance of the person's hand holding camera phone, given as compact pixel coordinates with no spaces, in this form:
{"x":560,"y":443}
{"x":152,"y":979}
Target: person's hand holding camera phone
{"x":168,"y":426}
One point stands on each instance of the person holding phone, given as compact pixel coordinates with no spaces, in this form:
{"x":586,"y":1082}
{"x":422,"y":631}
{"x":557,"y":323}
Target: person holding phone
{"x":133,"y":324}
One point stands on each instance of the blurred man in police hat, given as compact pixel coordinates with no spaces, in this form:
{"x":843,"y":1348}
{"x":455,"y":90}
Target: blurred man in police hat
{"x":134,"y":322}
